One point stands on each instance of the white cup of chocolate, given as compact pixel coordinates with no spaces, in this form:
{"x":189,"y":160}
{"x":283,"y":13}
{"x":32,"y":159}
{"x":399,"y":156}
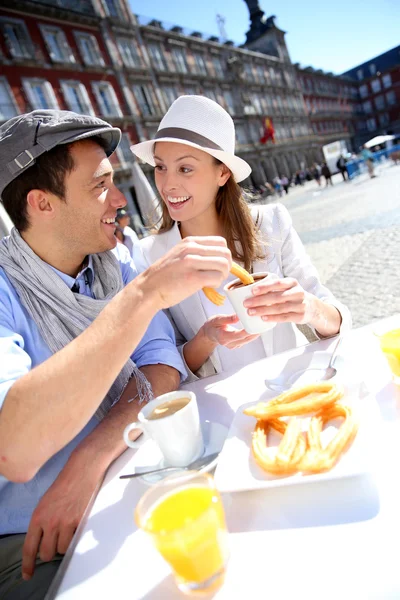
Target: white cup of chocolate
{"x":238,"y":292}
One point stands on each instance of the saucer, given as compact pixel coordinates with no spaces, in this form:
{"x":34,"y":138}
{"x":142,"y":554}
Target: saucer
{"x":149,"y":456}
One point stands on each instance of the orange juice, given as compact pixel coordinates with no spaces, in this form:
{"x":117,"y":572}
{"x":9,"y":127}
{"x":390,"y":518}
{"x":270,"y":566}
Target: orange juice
{"x":188,"y":529}
{"x":390,"y":345}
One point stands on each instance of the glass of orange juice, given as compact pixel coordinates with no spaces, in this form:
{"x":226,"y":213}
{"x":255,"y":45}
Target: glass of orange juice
{"x":389,"y":340}
{"x":185,"y":518}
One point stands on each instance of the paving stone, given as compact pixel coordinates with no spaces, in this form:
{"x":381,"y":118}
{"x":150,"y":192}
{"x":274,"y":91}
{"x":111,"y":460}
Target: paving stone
{"x":352,"y":233}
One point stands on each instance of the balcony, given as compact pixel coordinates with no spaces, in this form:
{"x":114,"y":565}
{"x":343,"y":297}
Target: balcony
{"x":83,"y":11}
{"x":177,"y":29}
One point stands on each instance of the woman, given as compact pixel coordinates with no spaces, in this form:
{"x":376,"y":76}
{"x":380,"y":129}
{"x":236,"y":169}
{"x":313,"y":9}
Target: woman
{"x":196,"y":173}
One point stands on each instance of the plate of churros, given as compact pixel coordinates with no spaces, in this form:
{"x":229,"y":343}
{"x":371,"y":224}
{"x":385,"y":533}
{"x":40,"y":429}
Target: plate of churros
{"x":316,"y":432}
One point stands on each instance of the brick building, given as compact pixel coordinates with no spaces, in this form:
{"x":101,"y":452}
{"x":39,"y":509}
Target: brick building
{"x":332,"y":103}
{"x":59,"y":55}
{"x":379,"y":88}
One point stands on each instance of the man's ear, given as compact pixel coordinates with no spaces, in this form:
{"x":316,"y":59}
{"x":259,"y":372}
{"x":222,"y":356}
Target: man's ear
{"x":40,"y":204}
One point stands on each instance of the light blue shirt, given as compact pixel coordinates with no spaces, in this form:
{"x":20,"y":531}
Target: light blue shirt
{"x":22,"y":348}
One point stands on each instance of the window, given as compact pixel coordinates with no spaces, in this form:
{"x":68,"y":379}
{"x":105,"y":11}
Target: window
{"x":8,"y":107}
{"x":106,"y":99}
{"x":112,"y":8}
{"x":376,"y":85}
{"x":248,"y":72}
{"x":371,"y":124}
{"x":367,"y":106}
{"x":178,"y":54}
{"x":146,"y":99}
{"x":256,"y":101}
{"x":209,"y":93}
{"x":363,"y":90}
{"x":230,"y":106}
{"x":17,"y":38}
{"x":218,"y":68}
{"x":260,"y":74}
{"x":256,"y":131}
{"x":201,"y":67}
{"x":387,"y":80}
{"x":170,"y":93}
{"x":360,"y":74}
{"x":391,"y":97}
{"x":241,"y":135}
{"x":157,"y":56}
{"x":129,"y":52}
{"x":372,"y":68}
{"x":124,"y":151}
{"x":89,"y":49}
{"x":384,"y":119}
{"x":191,"y":90}
{"x":57,"y":45}
{"x":40,"y":93}
{"x":380,"y":102}
{"x":77,"y":98}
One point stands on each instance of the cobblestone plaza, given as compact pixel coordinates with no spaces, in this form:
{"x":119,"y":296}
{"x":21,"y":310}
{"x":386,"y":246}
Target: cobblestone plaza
{"x":352,"y":233}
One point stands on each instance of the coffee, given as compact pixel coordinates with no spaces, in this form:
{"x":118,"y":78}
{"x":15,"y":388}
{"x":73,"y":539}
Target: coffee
{"x":239,"y":284}
{"x":166,"y":409}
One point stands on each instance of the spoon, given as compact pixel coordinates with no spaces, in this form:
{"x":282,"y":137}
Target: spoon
{"x":201,"y":462}
{"x":306,"y":376}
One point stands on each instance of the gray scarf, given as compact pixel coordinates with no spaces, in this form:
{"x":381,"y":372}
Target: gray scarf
{"x":60,"y":314}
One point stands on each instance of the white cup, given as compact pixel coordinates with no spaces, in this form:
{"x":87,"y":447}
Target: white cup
{"x":252,"y":324}
{"x":178,"y":435}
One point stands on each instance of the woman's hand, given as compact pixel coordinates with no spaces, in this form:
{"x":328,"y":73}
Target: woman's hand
{"x":220,"y":331}
{"x":284,"y":300}
{"x":281,"y":300}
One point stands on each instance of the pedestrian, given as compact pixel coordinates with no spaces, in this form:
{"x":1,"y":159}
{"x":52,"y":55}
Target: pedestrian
{"x":197,"y":175}
{"x":129,"y":236}
{"x":341,"y":165}
{"x":285,"y":183}
{"x":316,"y":173}
{"x":80,"y":333}
{"x":277,"y":186}
{"x":368,"y":157}
{"x":326,"y":172}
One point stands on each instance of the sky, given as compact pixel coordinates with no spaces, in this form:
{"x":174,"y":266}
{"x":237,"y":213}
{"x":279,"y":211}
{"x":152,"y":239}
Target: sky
{"x":333,"y":35}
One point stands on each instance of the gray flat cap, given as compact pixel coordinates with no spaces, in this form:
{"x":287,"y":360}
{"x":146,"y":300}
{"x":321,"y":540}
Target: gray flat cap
{"x":25,"y":137}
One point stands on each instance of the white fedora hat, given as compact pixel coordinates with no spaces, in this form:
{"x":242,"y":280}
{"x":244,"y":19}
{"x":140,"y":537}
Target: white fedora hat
{"x":201,"y":123}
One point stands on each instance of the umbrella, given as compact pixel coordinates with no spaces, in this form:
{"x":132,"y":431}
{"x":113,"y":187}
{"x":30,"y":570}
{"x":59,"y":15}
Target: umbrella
{"x":379,"y":139}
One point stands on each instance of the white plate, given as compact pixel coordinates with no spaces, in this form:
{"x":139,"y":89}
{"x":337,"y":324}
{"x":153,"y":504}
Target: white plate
{"x":238,"y":471}
{"x":149,"y":456}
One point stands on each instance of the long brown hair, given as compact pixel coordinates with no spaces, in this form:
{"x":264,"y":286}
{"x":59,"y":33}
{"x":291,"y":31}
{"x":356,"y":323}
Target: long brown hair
{"x":236,"y":221}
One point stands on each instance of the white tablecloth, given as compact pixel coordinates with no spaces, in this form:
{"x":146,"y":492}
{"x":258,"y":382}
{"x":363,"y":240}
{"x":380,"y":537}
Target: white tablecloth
{"x":336,"y":539}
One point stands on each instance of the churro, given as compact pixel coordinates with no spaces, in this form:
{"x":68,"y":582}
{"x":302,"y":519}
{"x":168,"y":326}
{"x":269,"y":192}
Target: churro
{"x":318,"y":459}
{"x":299,"y":401}
{"x":236,"y":270}
{"x":297,"y":452}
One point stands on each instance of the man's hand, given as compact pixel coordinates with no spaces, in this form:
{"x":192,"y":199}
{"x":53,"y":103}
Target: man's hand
{"x":194,"y":263}
{"x":60,"y":510}
{"x":58,"y":514}
{"x":220,"y":330}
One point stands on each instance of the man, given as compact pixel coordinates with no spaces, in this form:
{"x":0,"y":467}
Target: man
{"x":128,"y":236}
{"x":368,"y":157}
{"x":341,"y":165}
{"x":73,"y":318}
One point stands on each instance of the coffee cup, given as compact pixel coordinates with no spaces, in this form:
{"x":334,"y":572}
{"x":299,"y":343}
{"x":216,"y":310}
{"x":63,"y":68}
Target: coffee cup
{"x":172,"y":421}
{"x":238,"y":292}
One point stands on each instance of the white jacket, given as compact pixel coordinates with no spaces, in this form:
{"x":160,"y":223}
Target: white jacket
{"x":285,"y":256}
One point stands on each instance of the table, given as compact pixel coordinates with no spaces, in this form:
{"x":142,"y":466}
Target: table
{"x":336,"y":539}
